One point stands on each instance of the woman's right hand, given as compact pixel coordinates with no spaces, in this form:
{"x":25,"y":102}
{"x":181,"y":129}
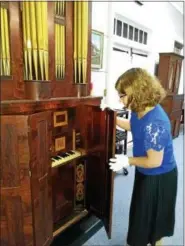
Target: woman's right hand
{"x":123,"y":123}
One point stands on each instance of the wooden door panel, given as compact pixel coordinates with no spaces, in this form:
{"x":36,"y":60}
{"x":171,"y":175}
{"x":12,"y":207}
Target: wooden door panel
{"x":95,"y":182}
{"x":40,"y":165}
{"x":177,"y":76}
{"x":95,"y":126}
{"x":176,"y":128}
{"x":99,"y":176}
{"x":110,"y":152}
{"x":15,"y":210}
{"x":171,"y":75}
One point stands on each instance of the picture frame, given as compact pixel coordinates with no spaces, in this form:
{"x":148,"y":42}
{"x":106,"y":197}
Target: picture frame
{"x":97,"y":46}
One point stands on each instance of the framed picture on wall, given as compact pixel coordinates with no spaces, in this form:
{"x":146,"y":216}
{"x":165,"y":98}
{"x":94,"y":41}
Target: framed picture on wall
{"x":97,"y":40}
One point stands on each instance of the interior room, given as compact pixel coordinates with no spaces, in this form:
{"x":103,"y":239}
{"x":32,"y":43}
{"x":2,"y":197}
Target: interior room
{"x":59,"y":61}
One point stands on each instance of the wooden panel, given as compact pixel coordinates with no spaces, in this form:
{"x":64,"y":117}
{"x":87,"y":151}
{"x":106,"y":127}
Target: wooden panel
{"x":178,"y":102}
{"x":172,"y":103}
{"x":95,"y":186}
{"x":14,"y":87}
{"x":176,"y":128}
{"x":100,"y":190}
{"x":16,"y":210}
{"x":63,"y":192}
{"x":176,"y":115}
{"x":177,"y":76}
{"x":63,"y":124}
{"x":28,"y":107}
{"x":167,"y":104}
{"x":163,"y":70}
{"x":172,"y":127}
{"x":94,"y":127}
{"x":171,"y":75}
{"x":66,"y":87}
{"x":40,"y":142}
{"x":182,"y":117}
{"x":109,"y":183}
{"x":169,"y":71}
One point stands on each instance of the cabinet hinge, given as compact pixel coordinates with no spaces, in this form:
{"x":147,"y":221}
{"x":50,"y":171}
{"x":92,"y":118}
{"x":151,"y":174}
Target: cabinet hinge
{"x":29,"y":173}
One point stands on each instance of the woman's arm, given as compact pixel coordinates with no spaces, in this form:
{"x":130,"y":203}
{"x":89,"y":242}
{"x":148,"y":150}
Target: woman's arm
{"x":153,"y":159}
{"x":123,"y":123}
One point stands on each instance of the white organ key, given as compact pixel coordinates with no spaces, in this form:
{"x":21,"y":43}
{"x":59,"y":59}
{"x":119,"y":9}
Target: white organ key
{"x":64,"y":157}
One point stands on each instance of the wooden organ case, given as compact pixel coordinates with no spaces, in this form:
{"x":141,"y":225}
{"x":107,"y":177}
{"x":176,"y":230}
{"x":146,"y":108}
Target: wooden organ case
{"x":55,"y":140}
{"x":169,"y":71}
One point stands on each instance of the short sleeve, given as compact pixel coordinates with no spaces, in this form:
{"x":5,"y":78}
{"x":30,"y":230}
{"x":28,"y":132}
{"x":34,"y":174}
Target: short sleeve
{"x":156,"y":136}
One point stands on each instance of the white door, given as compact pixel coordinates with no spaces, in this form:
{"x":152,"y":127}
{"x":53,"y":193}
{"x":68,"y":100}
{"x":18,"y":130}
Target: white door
{"x":120,"y":62}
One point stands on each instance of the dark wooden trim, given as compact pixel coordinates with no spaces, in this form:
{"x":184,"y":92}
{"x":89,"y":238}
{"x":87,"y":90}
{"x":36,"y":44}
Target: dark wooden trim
{"x":20,"y":107}
{"x":4,"y":77}
{"x":14,"y":89}
{"x":79,"y":233}
{"x":171,"y":54}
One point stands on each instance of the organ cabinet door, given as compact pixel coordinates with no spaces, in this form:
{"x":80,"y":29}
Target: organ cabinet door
{"x":40,"y":167}
{"x":177,"y":76}
{"x":15,"y":206}
{"x":99,"y":129}
{"x":169,"y":71}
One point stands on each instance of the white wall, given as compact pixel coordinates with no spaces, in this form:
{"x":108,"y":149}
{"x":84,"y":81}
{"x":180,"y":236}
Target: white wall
{"x":99,"y":23}
{"x":164,"y":21}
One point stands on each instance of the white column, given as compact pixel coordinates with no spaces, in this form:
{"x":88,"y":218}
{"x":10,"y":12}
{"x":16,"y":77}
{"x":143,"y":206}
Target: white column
{"x":109,"y":51}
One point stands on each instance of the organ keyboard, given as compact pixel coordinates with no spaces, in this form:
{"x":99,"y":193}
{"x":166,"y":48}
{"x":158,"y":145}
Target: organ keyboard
{"x":63,"y":157}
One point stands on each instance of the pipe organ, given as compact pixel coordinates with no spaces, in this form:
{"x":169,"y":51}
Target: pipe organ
{"x":55,"y":140}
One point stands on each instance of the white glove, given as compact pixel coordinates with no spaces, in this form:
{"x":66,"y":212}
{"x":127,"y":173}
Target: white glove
{"x":114,"y":107}
{"x":103,"y":105}
{"x":121,"y":161}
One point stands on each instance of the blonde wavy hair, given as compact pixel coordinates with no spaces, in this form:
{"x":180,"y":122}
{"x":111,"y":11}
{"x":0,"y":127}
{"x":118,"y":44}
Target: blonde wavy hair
{"x":147,"y":90}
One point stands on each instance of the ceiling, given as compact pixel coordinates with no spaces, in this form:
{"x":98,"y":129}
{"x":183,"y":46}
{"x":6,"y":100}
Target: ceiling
{"x":179,"y":6}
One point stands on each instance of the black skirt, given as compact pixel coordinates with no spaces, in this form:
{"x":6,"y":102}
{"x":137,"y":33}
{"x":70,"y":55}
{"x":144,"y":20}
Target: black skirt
{"x":152,"y":211}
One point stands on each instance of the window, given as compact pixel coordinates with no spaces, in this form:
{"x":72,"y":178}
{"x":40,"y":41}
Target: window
{"x":114,"y":26}
{"x":131,"y":32}
{"x":119,"y":28}
{"x":140,"y":36}
{"x":145,"y":38}
{"x":178,"y":47}
{"x":125,"y":30}
{"x":136,"y":34}
{"x":131,"y":29}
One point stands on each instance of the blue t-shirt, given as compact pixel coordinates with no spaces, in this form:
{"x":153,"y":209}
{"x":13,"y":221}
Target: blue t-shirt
{"x":153,"y":131}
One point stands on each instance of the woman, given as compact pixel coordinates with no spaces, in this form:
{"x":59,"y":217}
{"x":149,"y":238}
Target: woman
{"x":152,"y":210}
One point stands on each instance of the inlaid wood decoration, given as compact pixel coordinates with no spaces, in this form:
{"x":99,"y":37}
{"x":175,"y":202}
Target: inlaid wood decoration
{"x":60,"y":118}
{"x":80,"y":185}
